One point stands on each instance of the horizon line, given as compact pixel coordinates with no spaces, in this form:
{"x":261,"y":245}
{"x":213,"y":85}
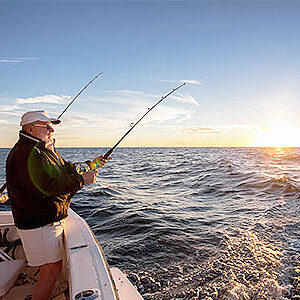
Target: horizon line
{"x":129,"y":147}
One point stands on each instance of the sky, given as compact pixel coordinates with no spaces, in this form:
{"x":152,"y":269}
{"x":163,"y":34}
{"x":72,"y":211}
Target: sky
{"x":239,"y":59}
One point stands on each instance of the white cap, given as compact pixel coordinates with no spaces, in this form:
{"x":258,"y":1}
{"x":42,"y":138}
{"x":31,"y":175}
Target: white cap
{"x":37,"y":115}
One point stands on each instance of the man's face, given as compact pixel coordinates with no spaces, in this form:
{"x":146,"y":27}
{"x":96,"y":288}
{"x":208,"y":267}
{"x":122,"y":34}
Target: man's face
{"x":43,"y":131}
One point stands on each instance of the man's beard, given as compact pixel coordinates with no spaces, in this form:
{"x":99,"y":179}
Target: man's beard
{"x":50,"y":143}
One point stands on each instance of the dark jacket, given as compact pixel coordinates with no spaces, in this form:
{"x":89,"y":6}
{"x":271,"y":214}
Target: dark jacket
{"x":40,"y":183}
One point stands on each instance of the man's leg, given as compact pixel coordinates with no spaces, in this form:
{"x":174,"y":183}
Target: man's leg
{"x":45,"y":285}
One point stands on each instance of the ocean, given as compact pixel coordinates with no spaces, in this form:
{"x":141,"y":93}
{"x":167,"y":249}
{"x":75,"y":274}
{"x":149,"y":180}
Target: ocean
{"x":197,"y":223}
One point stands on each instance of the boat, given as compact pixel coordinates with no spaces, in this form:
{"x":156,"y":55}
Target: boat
{"x":85,"y":275}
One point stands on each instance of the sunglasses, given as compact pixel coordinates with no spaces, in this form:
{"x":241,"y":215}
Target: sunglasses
{"x":48,"y":126}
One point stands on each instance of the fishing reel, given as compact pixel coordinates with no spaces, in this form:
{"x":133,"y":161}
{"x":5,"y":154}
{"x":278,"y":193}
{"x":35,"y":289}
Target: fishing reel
{"x":88,"y":166}
{"x":3,"y":197}
{"x":82,"y":168}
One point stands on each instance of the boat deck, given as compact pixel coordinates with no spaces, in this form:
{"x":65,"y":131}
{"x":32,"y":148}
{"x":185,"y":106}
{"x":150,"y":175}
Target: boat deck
{"x":23,"y":286}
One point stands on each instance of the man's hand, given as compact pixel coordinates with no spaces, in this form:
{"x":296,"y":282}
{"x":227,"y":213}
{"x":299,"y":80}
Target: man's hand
{"x":89,"y":177}
{"x":100,"y":161}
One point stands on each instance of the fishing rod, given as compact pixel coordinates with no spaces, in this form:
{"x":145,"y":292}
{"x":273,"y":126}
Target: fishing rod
{"x":79,"y":94}
{"x":89,"y":166}
{"x":2,"y":196}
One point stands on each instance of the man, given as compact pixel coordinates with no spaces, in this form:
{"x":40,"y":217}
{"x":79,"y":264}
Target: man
{"x":40,"y":186}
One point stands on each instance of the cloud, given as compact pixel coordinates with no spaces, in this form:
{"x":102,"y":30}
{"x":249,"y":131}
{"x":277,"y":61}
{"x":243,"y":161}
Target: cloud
{"x":136,"y":103}
{"x":216,"y":129}
{"x":119,"y":120}
{"x":167,"y":113}
{"x":17,"y":60}
{"x":145,"y":98}
{"x":126,"y":92}
{"x":130,"y":93}
{"x":79,"y":118}
{"x":90,"y":121}
{"x":10,"y":114}
{"x":133,"y":100}
{"x":9,"y":107}
{"x":189,"y":81}
{"x":205,"y":130}
{"x":193,"y":129}
{"x":186,"y":98}
{"x":10,"y":61}
{"x":44,"y":99}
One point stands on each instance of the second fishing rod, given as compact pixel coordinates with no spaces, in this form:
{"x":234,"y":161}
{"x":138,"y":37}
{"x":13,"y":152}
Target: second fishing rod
{"x":90,"y":166}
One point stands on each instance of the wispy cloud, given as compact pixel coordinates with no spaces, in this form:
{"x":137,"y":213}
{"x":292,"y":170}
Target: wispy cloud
{"x":193,"y":129}
{"x":17,"y":60}
{"x":216,"y":129}
{"x":81,"y":119}
{"x":10,"y":114}
{"x":9,"y":107}
{"x":44,"y":99}
{"x":204,"y":130}
{"x":186,"y":98}
{"x":189,"y":81}
{"x":131,"y":94}
{"x":78,"y":118}
{"x":130,"y":98}
{"x":166,"y":113}
{"x":10,"y":61}
{"x":126,"y":92}
{"x":145,"y":97}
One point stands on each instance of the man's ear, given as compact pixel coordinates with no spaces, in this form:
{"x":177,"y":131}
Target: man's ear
{"x":27,"y":128}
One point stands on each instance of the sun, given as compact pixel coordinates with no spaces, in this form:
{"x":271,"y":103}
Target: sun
{"x":278,"y":135}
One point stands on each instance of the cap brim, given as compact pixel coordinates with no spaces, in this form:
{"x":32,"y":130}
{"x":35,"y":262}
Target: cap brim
{"x":55,"y":121}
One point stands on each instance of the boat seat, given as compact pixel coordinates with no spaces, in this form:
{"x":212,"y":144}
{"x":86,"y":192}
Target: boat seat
{"x":9,"y":271}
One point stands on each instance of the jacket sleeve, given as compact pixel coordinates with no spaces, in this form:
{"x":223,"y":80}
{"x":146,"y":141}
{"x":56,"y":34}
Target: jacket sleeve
{"x":50,"y":178}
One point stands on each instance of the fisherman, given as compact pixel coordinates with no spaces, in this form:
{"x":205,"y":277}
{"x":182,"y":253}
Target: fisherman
{"x":40,"y":185}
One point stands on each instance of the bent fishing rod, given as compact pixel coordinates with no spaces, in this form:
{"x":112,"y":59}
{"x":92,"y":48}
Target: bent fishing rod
{"x":99,"y":74}
{"x":79,"y":94}
{"x":89,"y":166}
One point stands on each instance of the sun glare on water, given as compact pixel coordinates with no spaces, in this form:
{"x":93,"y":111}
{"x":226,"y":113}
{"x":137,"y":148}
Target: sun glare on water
{"x":278,"y":135}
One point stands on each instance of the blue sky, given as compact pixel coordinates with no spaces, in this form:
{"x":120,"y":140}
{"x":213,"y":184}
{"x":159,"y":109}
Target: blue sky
{"x":240,"y":60}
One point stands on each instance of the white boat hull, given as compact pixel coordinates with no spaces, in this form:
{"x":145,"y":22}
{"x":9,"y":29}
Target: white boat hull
{"x":88,"y":273}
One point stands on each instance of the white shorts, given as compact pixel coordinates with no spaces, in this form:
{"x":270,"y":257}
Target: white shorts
{"x":43,"y":245}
